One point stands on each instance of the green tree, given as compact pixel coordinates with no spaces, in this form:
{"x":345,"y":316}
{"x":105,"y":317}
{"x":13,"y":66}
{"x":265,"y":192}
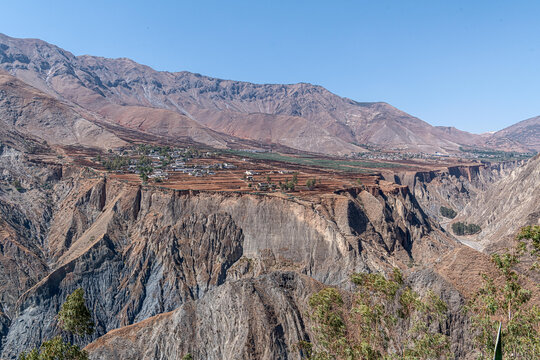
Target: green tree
{"x":460,"y":228}
{"x":74,"y":315}
{"x":448,"y":212}
{"x":144,"y":166}
{"x":291,"y":185}
{"x":310,"y":184}
{"x":56,"y":349}
{"x":74,"y":318}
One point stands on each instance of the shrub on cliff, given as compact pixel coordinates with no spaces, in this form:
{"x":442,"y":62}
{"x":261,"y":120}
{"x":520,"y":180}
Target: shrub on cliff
{"x":448,"y":212}
{"x":531,"y":233}
{"x":17,"y":185}
{"x":384,"y":319}
{"x":504,"y":299}
{"x":461,"y":228}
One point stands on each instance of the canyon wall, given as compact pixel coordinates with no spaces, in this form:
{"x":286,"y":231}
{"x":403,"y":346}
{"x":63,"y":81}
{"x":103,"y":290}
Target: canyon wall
{"x":453,"y":187}
{"x":141,"y":251}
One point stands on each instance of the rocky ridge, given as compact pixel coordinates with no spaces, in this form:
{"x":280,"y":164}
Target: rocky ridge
{"x":524,"y":134}
{"x":300,"y":116}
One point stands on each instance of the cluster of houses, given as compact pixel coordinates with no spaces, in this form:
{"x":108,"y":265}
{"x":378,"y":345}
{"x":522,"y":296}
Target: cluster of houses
{"x":158,"y":163}
{"x":199,"y":170}
{"x":264,"y":186}
{"x":179,"y":166}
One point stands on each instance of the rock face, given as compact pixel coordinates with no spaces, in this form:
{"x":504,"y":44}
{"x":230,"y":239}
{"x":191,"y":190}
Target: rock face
{"x":509,"y":204}
{"x":142,"y":251}
{"x":260,"y":318}
{"x":453,"y":187}
{"x":299,"y":116}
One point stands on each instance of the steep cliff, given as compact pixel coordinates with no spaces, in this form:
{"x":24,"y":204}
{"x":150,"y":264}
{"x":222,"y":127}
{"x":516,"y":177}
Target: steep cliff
{"x":453,"y":187}
{"x":142,"y":251}
{"x":510,"y":203}
{"x":259,"y":318}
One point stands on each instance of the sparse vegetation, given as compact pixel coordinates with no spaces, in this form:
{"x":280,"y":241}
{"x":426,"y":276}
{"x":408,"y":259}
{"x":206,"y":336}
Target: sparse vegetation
{"x":495,"y":155}
{"x":503,"y":298}
{"x":461,"y":228}
{"x":17,"y":185}
{"x":385,"y":319}
{"x":448,"y":212}
{"x":531,"y":233}
{"x":288,"y":185}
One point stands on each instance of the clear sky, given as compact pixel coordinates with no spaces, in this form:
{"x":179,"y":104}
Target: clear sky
{"x":471,"y":64}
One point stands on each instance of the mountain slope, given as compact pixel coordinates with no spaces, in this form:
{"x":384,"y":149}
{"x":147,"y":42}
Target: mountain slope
{"x":301,"y":116}
{"x":26,"y":110}
{"x":525,"y":135}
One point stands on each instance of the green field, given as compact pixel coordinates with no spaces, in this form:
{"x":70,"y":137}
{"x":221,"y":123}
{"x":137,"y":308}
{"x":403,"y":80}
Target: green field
{"x":497,"y":155}
{"x":335,"y":164}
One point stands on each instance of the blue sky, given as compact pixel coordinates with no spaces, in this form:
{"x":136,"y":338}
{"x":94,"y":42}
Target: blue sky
{"x":471,"y":64}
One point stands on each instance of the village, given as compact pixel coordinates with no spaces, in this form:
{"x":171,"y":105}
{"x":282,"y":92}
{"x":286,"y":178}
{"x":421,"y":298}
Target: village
{"x":195,"y":169}
{"x":158,"y":162}
{"x":173,"y":167}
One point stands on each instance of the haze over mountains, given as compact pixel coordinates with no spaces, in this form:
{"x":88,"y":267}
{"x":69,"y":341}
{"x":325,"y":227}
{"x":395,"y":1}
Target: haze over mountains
{"x":222,"y":113}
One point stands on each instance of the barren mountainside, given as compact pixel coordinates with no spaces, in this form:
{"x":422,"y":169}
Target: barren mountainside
{"x":28,"y":111}
{"x":300,"y":116}
{"x":525,"y":133}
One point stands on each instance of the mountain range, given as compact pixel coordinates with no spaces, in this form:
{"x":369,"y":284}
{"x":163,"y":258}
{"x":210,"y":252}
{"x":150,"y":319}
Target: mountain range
{"x":225,"y":113}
